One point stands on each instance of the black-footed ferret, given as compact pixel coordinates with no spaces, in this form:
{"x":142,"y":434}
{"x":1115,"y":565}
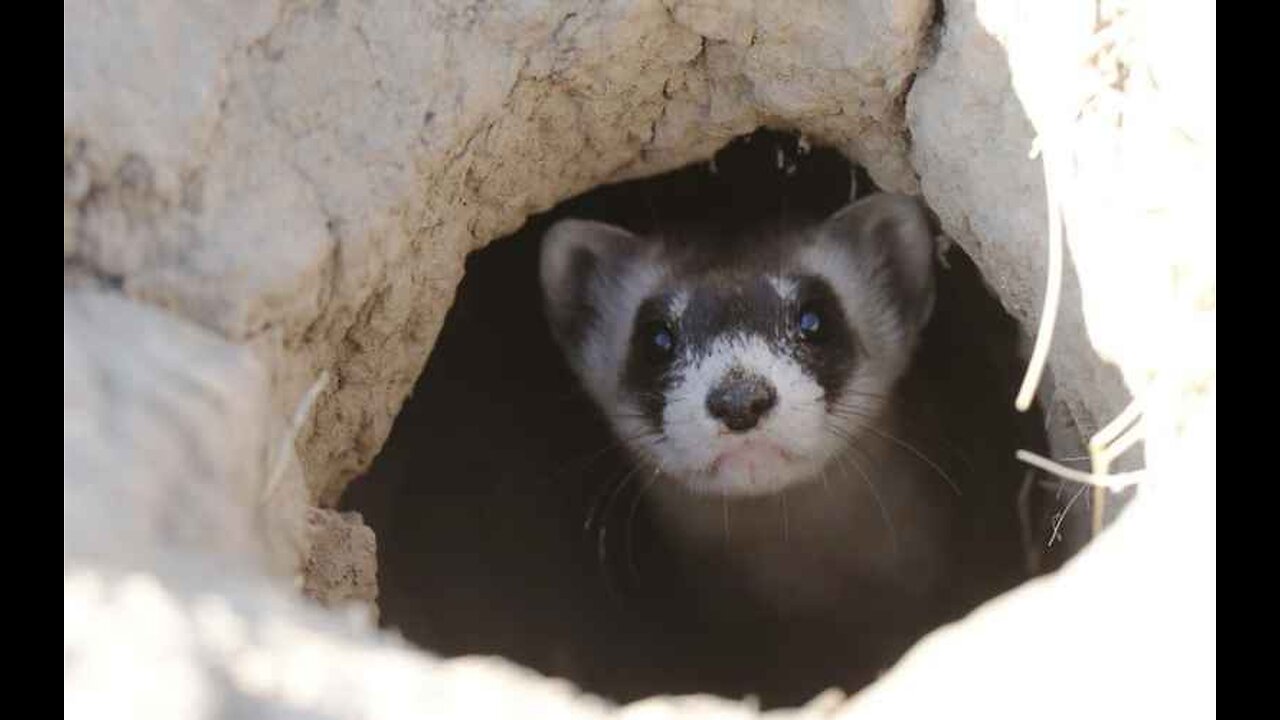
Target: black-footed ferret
{"x":753,"y":378}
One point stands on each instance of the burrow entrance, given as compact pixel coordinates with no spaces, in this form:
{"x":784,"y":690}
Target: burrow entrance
{"x":503,"y":523}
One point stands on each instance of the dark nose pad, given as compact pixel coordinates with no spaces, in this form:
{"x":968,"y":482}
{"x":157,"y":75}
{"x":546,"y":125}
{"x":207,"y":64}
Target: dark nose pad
{"x":740,"y":399}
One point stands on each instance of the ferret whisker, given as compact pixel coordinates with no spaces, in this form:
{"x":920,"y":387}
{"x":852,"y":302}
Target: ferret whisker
{"x":629,"y":416}
{"x":786,"y":521}
{"x":853,"y":391}
{"x":600,"y":504}
{"x":875,"y":493}
{"x":631,"y":517}
{"x":601,"y":517}
{"x":724,"y":505}
{"x":918,"y":453}
{"x":613,"y":497}
{"x":846,"y":410}
{"x":588,"y":458}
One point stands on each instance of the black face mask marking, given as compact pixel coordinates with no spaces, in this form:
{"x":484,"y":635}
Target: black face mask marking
{"x":655,"y":348}
{"x":748,"y":307}
{"x":829,"y":353}
{"x":662,"y":345}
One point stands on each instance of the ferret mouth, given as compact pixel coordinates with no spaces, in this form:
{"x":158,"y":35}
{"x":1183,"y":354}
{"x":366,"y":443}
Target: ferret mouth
{"x":751,"y":456}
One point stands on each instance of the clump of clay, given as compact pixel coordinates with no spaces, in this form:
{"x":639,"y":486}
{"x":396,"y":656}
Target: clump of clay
{"x":342,"y":567}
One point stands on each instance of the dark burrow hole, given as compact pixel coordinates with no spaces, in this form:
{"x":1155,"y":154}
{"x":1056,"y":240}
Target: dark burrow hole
{"x":505,"y":526}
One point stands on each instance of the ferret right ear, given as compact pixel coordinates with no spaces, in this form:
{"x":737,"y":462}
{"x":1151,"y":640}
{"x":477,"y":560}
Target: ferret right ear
{"x":891,"y":237}
{"x":579,"y":257}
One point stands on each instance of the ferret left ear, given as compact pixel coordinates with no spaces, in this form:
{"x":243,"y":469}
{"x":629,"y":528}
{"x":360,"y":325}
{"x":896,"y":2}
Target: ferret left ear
{"x":891,"y":235}
{"x":580,"y":258}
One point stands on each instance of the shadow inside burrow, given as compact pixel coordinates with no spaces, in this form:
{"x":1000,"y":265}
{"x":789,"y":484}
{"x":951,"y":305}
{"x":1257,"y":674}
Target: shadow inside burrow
{"x":504,"y":518}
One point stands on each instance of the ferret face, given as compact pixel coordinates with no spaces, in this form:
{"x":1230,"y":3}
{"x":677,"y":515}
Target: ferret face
{"x":743,"y":368}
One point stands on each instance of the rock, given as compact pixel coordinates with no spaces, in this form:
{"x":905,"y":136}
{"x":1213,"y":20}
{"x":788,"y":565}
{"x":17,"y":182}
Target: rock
{"x":977,"y":172}
{"x":343,"y":565}
{"x":166,"y":445}
{"x":308,"y":178}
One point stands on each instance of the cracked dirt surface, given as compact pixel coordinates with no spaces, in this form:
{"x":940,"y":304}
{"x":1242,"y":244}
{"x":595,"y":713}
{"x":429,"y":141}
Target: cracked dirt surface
{"x":351,"y":154}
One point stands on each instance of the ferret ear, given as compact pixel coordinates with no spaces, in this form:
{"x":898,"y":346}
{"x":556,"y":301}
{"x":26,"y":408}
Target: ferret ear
{"x":576,"y":256}
{"x":891,"y":235}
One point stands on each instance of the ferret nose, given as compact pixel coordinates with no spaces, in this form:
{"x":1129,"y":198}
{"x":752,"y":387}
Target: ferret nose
{"x":740,"y":399}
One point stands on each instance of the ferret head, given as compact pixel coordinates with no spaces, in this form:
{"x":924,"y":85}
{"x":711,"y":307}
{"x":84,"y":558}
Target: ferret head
{"x":742,"y":366}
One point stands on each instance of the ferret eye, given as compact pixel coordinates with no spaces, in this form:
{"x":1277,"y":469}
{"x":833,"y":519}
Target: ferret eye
{"x":661,"y":340}
{"x":810,"y":322}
